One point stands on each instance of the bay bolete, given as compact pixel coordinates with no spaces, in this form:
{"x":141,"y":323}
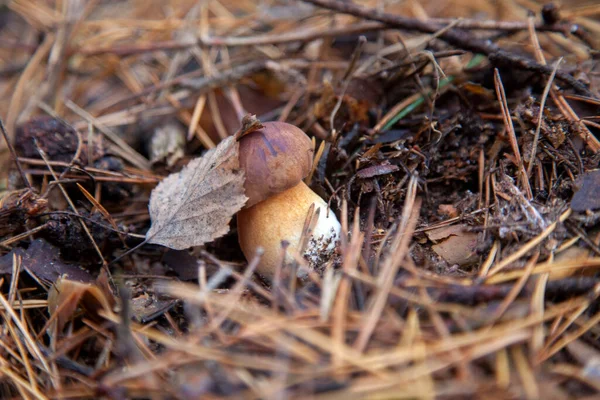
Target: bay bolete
{"x":276,"y":159}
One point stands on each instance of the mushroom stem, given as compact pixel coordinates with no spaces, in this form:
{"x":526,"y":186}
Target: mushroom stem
{"x":281,"y":217}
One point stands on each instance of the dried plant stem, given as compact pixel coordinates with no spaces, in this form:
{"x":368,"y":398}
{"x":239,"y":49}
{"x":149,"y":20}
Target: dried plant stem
{"x":29,"y":342}
{"x":460,"y":39}
{"x":510,"y":130}
{"x":536,"y":136}
{"x":126,"y":151}
{"x":310,"y":35}
{"x":13,"y":154}
{"x":197,"y":81}
{"x":529,"y":245}
{"x":391,"y":265}
{"x":18,"y":238}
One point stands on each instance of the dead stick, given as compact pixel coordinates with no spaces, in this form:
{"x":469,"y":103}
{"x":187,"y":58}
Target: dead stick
{"x":458,"y":38}
{"x":314,"y":34}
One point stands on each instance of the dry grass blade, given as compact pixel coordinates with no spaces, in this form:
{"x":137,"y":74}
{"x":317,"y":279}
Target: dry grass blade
{"x":127,"y":151}
{"x":515,"y":289}
{"x":32,"y":346}
{"x":99,"y":207}
{"x":24,"y":78}
{"x":391,"y":265}
{"x":536,"y":136}
{"x":351,"y":259}
{"x":510,"y":130}
{"x":528,"y":246}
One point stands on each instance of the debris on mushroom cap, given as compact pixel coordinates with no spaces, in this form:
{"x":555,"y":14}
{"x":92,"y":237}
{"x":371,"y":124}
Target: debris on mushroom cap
{"x":274,"y":158}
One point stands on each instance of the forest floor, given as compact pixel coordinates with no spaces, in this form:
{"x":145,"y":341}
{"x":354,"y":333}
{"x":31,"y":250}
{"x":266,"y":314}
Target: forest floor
{"x":455,"y":140}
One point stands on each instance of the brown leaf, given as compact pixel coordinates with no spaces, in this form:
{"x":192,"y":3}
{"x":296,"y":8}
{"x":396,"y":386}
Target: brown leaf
{"x":377,"y":170}
{"x":43,"y":260}
{"x":66,"y":296}
{"x":587,"y":192}
{"x":455,"y":244}
{"x":195,"y":205}
{"x":444,"y":232}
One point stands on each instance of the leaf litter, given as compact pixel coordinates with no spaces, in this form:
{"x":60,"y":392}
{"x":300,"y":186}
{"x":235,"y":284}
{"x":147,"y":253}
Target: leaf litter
{"x":66,"y":296}
{"x":43,"y":260}
{"x":456,"y":141}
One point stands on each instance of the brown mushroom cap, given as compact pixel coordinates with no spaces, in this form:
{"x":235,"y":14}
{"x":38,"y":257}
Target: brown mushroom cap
{"x":274,"y":158}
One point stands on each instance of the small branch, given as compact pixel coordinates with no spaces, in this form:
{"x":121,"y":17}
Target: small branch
{"x":458,"y":38}
{"x":506,"y":26}
{"x":314,"y":34}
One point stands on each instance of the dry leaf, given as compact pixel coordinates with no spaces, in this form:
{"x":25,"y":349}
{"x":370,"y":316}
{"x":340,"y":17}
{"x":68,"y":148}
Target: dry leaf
{"x":249,"y":124}
{"x":438,"y":234}
{"x":66,"y":296}
{"x":587,"y":192}
{"x":195,"y":205}
{"x":43,"y":260}
{"x":455,"y":244}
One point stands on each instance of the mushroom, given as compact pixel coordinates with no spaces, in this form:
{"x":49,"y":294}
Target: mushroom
{"x":276,"y":159}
